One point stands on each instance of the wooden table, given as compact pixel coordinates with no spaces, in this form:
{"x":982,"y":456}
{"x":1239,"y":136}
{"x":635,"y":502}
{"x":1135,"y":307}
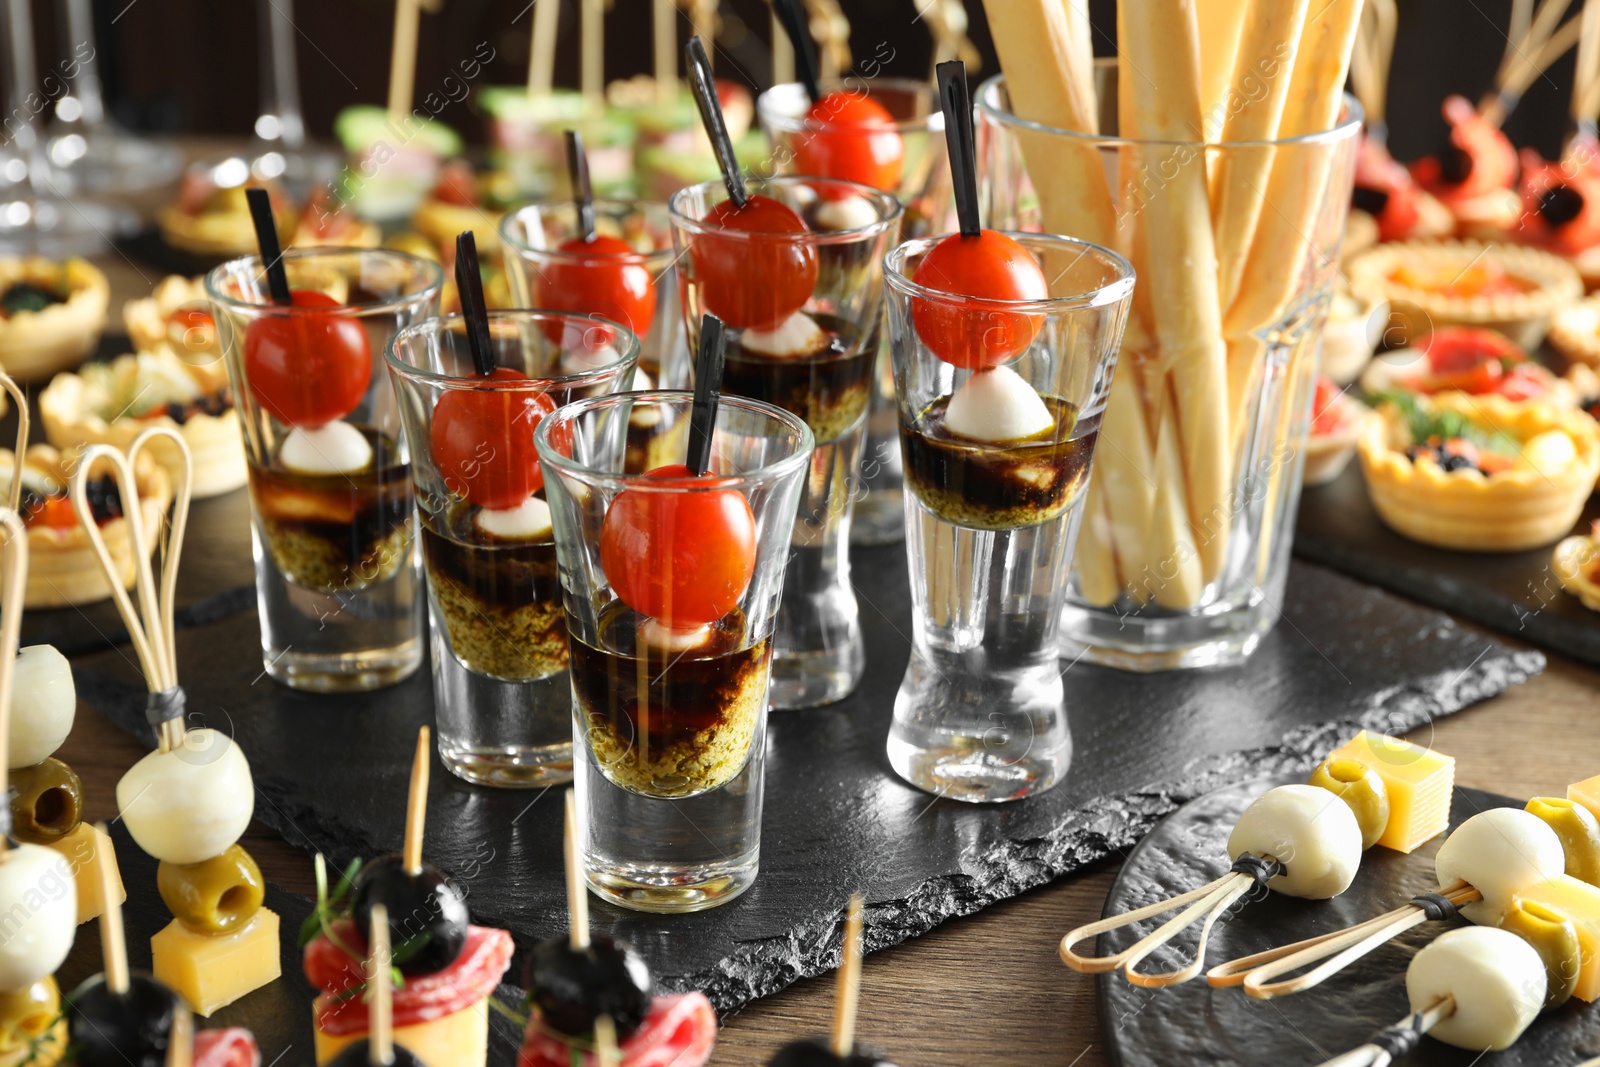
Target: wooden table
{"x":989,"y":988}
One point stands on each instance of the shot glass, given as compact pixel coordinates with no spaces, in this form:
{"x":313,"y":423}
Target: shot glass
{"x":990,"y":527}
{"x":502,"y":699}
{"x":672,"y":589}
{"x":803,"y":315}
{"x":330,"y":487}
{"x":910,"y":164}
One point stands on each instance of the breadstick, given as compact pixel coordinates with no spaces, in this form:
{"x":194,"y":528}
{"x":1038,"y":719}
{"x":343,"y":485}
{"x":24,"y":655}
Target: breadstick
{"x":1220,"y":22}
{"x":1175,"y":580}
{"x":1124,"y":469}
{"x":1080,"y":65}
{"x":1094,"y":561}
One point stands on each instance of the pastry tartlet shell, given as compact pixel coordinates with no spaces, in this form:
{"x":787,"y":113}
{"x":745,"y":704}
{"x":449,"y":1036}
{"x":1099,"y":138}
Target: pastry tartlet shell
{"x":1574,"y":564}
{"x":37,"y":344}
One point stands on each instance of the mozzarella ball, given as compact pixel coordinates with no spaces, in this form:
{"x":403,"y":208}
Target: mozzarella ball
{"x":1496,"y":978}
{"x":337,"y":448}
{"x":38,"y":914}
{"x":846,"y":213}
{"x":796,"y":336}
{"x":528,"y":521}
{"x":1310,"y":831}
{"x":190,"y":804}
{"x":581,"y":358}
{"x":1499,"y":852}
{"x":997,"y":405}
{"x":43,"y":703}
{"x":676,"y":642}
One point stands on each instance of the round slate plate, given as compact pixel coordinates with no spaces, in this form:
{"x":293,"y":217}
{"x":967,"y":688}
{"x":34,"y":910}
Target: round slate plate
{"x":1195,"y":1024}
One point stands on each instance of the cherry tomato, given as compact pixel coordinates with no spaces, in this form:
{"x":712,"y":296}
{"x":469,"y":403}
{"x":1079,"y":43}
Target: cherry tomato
{"x":482,"y":441}
{"x":753,"y":282}
{"x":609,"y":282}
{"x":192,"y":329}
{"x":850,"y":137}
{"x":1469,"y":360}
{"x":987,"y":267}
{"x":682,"y":558}
{"x":56,"y":512}
{"x":308,"y":370}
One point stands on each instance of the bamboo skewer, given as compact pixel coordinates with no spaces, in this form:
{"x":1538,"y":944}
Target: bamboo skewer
{"x":1527,"y":71}
{"x":782,"y":52}
{"x":577,"y":892}
{"x":180,"y":1039}
{"x":12,"y":594}
{"x":542,"y":49}
{"x":592,"y":34}
{"x":113,"y":947}
{"x":403,"y":58}
{"x":1371,"y":1055}
{"x":605,"y":1042}
{"x":1371,"y":61}
{"x":847,"y":988}
{"x":1526,"y":55}
{"x":380,"y":1028}
{"x":417,"y":803}
{"x":1586,"y":78}
{"x":20,"y":399}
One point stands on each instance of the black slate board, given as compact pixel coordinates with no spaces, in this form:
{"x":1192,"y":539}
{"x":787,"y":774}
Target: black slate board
{"x":1516,"y":593}
{"x":331,"y":774}
{"x":1194,"y":1023}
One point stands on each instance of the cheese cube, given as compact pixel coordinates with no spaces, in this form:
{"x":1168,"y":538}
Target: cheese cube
{"x":1580,"y":902}
{"x":460,"y":1039}
{"x":83,"y":849}
{"x":1419,"y":780}
{"x":1587,"y":793}
{"x":211,"y":970}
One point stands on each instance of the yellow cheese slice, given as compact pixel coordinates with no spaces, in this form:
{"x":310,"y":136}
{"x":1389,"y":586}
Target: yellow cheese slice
{"x":1580,"y":902}
{"x":1419,"y":781}
{"x":460,"y":1039}
{"x":211,"y":970}
{"x":83,"y":849}
{"x":1587,"y":793}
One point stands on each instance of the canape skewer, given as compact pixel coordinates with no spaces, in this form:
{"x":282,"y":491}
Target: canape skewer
{"x":113,"y":946}
{"x":1586,"y":78}
{"x":380,"y":1017}
{"x":577,"y":891}
{"x":542,"y":50}
{"x":15,"y":577}
{"x":847,"y":989}
{"x":592,"y":34}
{"x":782,"y":51}
{"x":403,"y":57}
{"x":1371,"y":61}
{"x":664,"y":43}
{"x":1542,"y":39}
{"x":20,"y":399}
{"x":417,"y":803}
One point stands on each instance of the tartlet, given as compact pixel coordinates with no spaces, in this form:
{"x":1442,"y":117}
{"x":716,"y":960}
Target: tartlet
{"x":112,"y":403}
{"x":1547,"y":476}
{"x":456,"y":205}
{"x":1431,"y":284}
{"x":1468,"y":360}
{"x":51,"y":314}
{"x":212,"y":220}
{"x":62,"y":566}
{"x":1353,"y":329}
{"x":1575,"y":331}
{"x":1336,"y":422}
{"x":1576,"y":562}
{"x":176,"y":314}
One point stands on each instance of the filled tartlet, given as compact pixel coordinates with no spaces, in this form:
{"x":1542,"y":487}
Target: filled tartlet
{"x":1575,"y":331}
{"x":177,"y":315}
{"x":211,"y":217}
{"x":1353,"y":329}
{"x":1478,"y":473}
{"x":112,"y":403}
{"x":1577,"y":565}
{"x":1336,"y":419}
{"x":51,"y":314}
{"x":62,"y":566}
{"x":457,"y":204}
{"x":329,"y":221}
{"x":1430,"y":285}
{"x":1479,"y":362}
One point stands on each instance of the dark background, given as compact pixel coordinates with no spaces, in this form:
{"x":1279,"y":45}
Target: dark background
{"x":193,"y":65}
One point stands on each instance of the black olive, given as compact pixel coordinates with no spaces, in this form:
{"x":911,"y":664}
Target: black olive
{"x":1560,"y":204}
{"x":1455,"y":166}
{"x":26,"y":297}
{"x":1372,"y":201}
{"x":127,"y":1030}
{"x":570,"y":987}
{"x":819,"y":1054}
{"x":1453,"y":462}
{"x":105,"y":500}
{"x":427,"y":913}
{"x":359,"y":1054}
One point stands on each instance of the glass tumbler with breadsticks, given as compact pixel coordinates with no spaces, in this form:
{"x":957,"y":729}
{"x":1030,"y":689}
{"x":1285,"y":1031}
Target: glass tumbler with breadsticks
{"x":1230,"y":200}
{"x":883,"y":132}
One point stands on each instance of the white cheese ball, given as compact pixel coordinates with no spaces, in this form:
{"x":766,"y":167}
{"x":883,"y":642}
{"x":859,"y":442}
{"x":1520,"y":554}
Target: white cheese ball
{"x":846,"y":213}
{"x":189,"y":804}
{"x":43,"y":703}
{"x":794,"y":337}
{"x":1496,"y":978}
{"x":337,"y":448}
{"x":997,"y":405}
{"x":1499,"y":852}
{"x":658,"y":636}
{"x":1312,"y":832}
{"x":38,"y":914}
{"x":528,"y":521}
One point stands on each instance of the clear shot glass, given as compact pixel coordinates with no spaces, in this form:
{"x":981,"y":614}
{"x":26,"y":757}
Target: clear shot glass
{"x":337,"y":578}
{"x":502,"y":698}
{"x":990,"y":526}
{"x":672,"y":587}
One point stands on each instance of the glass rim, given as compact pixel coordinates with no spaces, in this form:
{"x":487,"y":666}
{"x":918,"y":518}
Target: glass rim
{"x":567,"y":413}
{"x":1110,"y":292}
{"x":439,"y":324}
{"x":659,"y":258}
{"x":932,"y":122}
{"x":252,"y":263}
{"x":889,"y":206}
{"x":987,"y":103}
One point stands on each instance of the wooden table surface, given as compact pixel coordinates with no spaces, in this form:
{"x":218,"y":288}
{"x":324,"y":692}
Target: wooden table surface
{"x":989,"y":988}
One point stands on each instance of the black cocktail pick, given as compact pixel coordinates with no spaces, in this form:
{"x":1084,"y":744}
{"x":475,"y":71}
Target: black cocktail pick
{"x":469,"y":283}
{"x":793,"y":18}
{"x":705,"y":94}
{"x":707,"y":393}
{"x":957,"y":104}
{"x":267,"y":241}
{"x":582,"y":190}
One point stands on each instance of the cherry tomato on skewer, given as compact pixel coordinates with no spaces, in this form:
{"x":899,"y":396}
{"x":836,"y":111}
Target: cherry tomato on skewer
{"x":759,"y":278}
{"x":609,"y":282}
{"x":308,"y":369}
{"x":681,"y":558}
{"x":986,"y":267}
{"x":483,"y":441}
{"x":850,"y":137}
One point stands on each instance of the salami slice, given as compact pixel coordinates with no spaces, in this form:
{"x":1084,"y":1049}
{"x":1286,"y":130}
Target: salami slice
{"x":678,"y":1032}
{"x":233,"y":1047}
{"x":423,"y":998}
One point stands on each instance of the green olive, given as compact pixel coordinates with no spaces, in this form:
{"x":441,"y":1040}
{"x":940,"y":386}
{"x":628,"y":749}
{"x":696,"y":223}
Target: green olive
{"x":1579,"y":832}
{"x":33,"y":1014}
{"x":1554,"y":937}
{"x":1360,"y":787}
{"x":46,"y":802}
{"x":216,"y":896}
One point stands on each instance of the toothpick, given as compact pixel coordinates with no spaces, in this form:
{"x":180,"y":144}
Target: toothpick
{"x":380,"y":1011}
{"x":605,"y":1042}
{"x":592,"y":34}
{"x":417,"y":803}
{"x":542,"y":51}
{"x":180,"y":1039}
{"x":847,"y":990}
{"x":664,"y":27}
{"x":11,"y":596}
{"x":14,"y":498}
{"x":782,"y":52}
{"x":577,"y":892}
{"x":113,"y":949}
{"x":1421,"y":1021}
{"x":403,"y":58}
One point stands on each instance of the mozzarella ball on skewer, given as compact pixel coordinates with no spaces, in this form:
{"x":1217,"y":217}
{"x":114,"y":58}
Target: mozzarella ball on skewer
{"x":1312,"y":832}
{"x":38,"y":914}
{"x":1496,"y":979}
{"x":43,"y":704}
{"x":1499,"y":852}
{"x":997,"y":406}
{"x":190,"y":804}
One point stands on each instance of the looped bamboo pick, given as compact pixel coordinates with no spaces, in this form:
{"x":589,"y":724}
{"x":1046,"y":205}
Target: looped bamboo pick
{"x":1542,"y":39}
{"x":1397,"y":1039}
{"x":18,"y":397}
{"x":13,"y":585}
{"x":150,"y":625}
